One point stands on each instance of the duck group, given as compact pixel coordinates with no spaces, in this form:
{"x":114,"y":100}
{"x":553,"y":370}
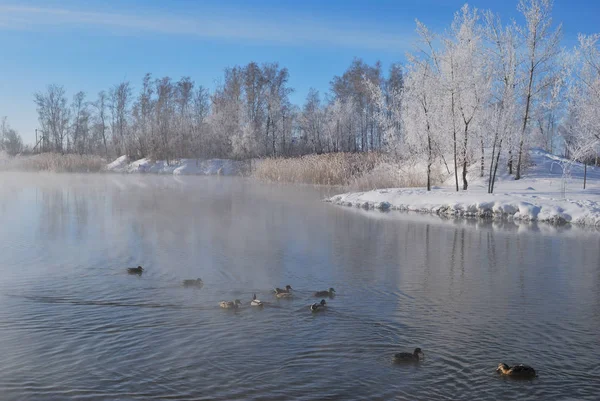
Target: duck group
{"x":519,"y":371}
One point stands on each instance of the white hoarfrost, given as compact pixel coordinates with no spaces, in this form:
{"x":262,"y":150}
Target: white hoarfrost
{"x":543,"y":195}
{"x":179,"y":166}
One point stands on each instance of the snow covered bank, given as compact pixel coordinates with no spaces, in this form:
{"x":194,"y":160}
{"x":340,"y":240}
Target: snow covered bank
{"x":540,"y":196}
{"x":180,"y":166}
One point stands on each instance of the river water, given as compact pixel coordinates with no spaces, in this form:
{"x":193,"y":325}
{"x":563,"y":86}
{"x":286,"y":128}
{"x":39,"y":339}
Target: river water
{"x":75,"y":325}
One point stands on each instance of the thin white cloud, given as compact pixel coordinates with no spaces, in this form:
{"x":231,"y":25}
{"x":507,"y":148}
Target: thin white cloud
{"x":289,"y":31}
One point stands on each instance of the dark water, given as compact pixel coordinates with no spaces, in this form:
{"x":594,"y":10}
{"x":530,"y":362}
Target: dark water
{"x":74,"y":325}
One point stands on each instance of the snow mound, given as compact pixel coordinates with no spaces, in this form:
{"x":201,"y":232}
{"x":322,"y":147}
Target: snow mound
{"x":119,"y":163}
{"x":179,"y":167}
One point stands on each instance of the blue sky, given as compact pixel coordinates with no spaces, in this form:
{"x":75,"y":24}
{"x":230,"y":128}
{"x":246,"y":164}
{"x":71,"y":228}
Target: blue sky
{"x":92,"y":45}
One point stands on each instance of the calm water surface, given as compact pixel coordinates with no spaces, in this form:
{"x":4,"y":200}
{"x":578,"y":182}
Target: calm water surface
{"x":74,"y":325}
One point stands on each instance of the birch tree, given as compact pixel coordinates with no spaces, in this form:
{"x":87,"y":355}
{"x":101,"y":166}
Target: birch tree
{"x":421,"y":106}
{"x":119,"y":100}
{"x":101,"y":119}
{"x":464,"y":68}
{"x":541,"y":48}
{"x":79,"y":124}
{"x":53,"y":115}
{"x":582,"y":129}
{"x":502,"y":56}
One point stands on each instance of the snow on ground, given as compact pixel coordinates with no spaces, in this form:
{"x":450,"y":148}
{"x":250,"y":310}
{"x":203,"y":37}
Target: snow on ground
{"x":541,"y":195}
{"x":179,"y":166}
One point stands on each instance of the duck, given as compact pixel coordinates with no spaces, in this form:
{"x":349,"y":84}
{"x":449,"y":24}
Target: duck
{"x":193,"y":283}
{"x":518,"y":371}
{"x":255,"y":302}
{"x":135,"y":270}
{"x":230,"y":304}
{"x":330,"y":293}
{"x":284,"y":295}
{"x":318,"y":306}
{"x":409,"y":357}
{"x":286,"y":290}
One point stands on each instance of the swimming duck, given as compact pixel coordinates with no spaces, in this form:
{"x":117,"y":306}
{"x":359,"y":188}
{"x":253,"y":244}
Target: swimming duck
{"x":255,"y":302}
{"x":193,"y":283}
{"x":519,"y":371}
{"x":284,"y":295}
{"x":330,"y":293}
{"x":318,"y":306}
{"x":135,"y":270}
{"x":230,"y":304}
{"x":408,"y":357}
{"x":286,"y":290}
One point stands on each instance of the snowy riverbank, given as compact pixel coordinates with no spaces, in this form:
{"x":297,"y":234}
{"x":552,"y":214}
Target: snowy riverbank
{"x":180,"y":166}
{"x":542,"y":195}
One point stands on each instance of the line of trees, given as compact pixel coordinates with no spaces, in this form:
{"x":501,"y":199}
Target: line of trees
{"x":478,"y":90}
{"x":248,"y":115}
{"x":482,"y":88}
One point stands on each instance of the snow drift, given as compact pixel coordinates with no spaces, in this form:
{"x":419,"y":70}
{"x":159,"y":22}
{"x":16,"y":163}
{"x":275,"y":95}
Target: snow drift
{"x":180,"y":166}
{"x":544,"y":195}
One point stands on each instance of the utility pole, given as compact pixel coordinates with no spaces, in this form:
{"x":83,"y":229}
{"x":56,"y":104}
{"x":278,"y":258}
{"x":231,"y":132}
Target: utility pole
{"x":39,"y":142}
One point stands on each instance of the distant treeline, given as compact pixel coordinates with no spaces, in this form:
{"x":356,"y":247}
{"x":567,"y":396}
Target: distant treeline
{"x":478,"y":89}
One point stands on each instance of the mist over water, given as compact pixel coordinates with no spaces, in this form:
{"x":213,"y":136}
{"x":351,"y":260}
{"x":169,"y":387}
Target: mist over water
{"x":75,"y":325}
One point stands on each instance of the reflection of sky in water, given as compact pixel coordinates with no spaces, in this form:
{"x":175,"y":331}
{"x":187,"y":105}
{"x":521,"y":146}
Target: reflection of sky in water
{"x":470,"y":293}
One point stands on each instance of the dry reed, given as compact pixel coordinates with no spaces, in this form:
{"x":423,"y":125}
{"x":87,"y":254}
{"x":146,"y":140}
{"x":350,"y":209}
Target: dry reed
{"x":55,"y":162}
{"x":357,"y":171}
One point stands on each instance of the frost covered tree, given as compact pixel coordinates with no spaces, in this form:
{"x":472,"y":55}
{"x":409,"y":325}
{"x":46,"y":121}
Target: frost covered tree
{"x":421,"y":107}
{"x":581,"y":131}
{"x":541,"y":49}
{"x":228,"y":118}
{"x":353,"y":88}
{"x":164,"y":111}
{"x":100,"y":117}
{"x":143,"y":117}
{"x":119,"y":101}
{"x":312,"y":122}
{"x":10,"y":140}
{"x":200,"y":129}
{"x":388,"y":101}
{"x":79,"y":124}
{"x":53,"y":116}
{"x":465,"y":74}
{"x":501,"y":109}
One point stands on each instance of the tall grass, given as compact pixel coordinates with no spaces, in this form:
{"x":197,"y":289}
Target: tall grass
{"x":54,"y":162}
{"x":357,"y":171}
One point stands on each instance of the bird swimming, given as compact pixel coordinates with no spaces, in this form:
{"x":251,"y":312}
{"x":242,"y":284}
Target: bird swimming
{"x":517,"y":371}
{"x":135,"y":270}
{"x":409,"y":357}
{"x":230,"y":304}
{"x":255,"y":302}
{"x":330,"y":293}
{"x":318,"y":306}
{"x":286,"y":290}
{"x":193,"y":283}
